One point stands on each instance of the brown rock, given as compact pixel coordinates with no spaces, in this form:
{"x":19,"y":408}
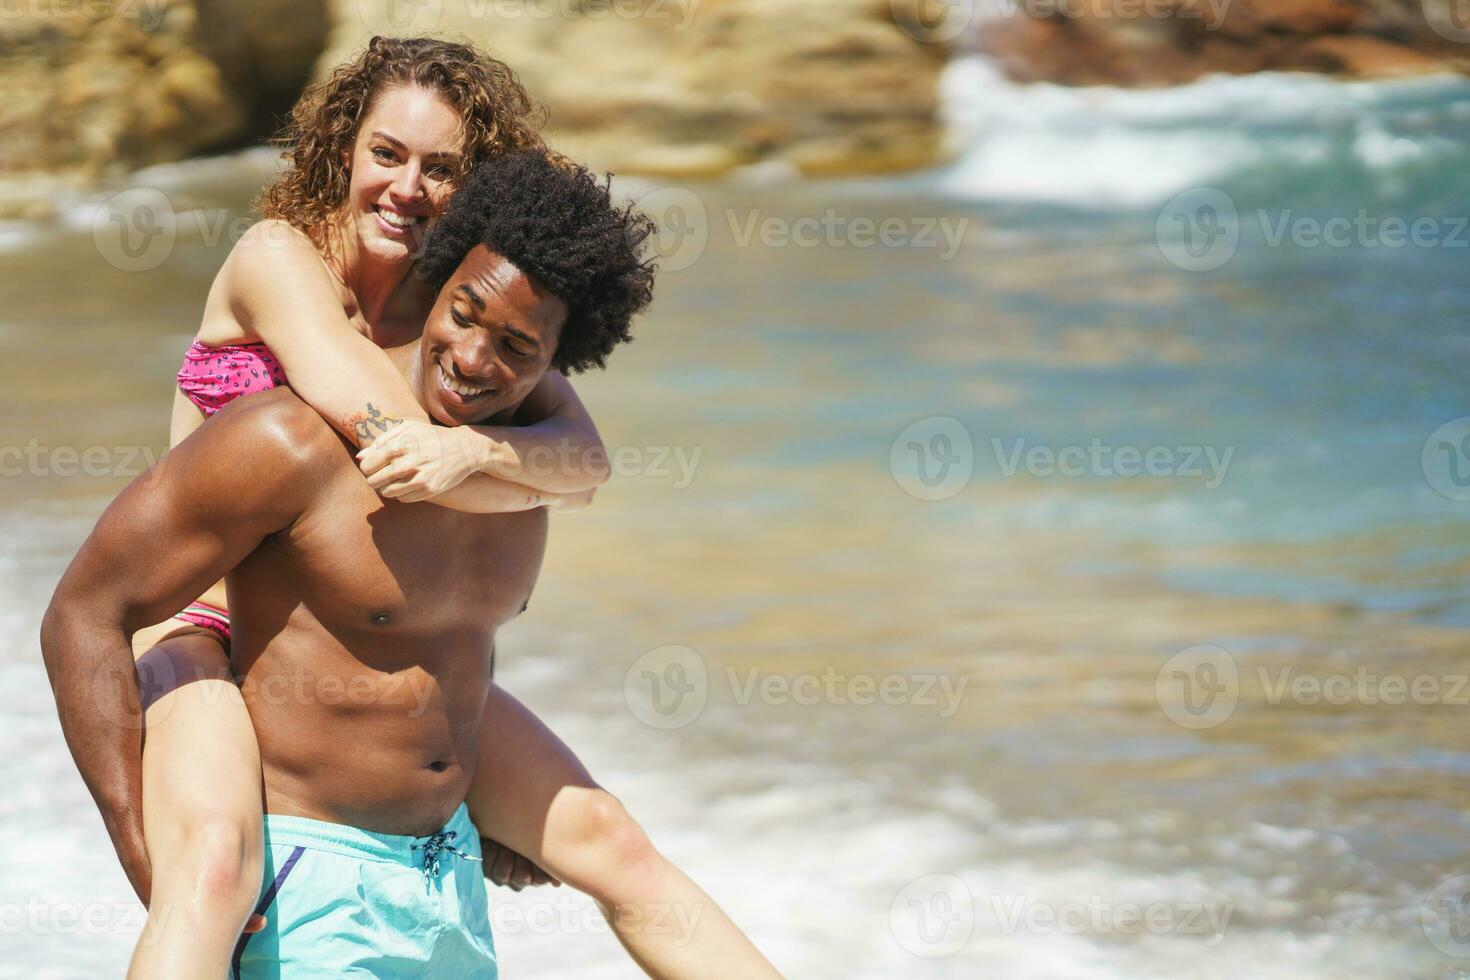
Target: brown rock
{"x":1165,"y":42}
{"x":1363,"y":56}
{"x":679,"y":88}
{"x":86,"y":92}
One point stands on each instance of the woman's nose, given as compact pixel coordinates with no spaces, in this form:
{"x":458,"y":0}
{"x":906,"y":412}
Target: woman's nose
{"x":408,"y":185}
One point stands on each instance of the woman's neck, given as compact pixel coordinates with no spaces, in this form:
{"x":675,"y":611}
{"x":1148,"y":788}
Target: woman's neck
{"x":376,"y":285}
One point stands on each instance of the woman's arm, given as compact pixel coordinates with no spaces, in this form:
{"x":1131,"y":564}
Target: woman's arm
{"x":277,"y":290}
{"x":553,"y":447}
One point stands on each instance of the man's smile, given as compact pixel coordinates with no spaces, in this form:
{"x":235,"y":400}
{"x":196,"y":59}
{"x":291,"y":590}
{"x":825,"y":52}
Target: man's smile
{"x":463,"y":394}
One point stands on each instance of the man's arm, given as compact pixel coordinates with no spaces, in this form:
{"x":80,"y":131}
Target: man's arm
{"x":171,"y":534}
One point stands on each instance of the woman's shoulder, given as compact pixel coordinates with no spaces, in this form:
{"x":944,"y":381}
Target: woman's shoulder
{"x":272,"y":257}
{"x":270,"y":245}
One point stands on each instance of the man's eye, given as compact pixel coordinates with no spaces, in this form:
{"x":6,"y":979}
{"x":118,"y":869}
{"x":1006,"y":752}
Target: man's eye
{"x":459,"y":318}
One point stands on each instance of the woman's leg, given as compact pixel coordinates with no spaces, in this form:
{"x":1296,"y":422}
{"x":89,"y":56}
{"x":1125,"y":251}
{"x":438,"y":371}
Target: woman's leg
{"x":532,"y":795}
{"x":201,"y":805}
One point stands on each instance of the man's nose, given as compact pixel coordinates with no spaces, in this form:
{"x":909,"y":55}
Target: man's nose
{"x":476,"y":359}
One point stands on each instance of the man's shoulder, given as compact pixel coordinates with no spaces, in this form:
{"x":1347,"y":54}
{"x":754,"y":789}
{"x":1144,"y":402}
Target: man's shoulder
{"x":276,"y":424}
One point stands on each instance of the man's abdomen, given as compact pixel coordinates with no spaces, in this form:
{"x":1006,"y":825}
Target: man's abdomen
{"x":384,"y":740}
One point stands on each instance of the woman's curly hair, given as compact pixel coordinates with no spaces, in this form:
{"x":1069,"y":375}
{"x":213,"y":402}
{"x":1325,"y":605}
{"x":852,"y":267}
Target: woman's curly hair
{"x":496,"y":115}
{"x":558,"y":224}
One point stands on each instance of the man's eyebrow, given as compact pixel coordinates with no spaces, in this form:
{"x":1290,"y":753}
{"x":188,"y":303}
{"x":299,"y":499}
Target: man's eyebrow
{"x":475,"y":298}
{"x":522,"y":335}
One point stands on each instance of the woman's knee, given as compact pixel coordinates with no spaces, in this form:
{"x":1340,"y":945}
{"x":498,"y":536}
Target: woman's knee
{"x":216,"y":860}
{"x":597,"y":838}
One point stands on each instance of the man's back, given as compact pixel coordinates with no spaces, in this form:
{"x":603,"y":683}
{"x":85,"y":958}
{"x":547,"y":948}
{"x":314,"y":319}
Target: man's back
{"x":364,"y":632}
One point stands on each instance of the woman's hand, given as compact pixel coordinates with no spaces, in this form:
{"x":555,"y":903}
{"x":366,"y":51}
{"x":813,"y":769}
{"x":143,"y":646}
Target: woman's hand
{"x":510,"y":870}
{"x":567,"y":503}
{"x":415,"y":460}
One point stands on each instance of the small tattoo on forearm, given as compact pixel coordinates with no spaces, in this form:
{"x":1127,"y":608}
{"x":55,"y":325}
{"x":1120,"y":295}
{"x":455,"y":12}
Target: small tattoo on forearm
{"x":368,"y":427}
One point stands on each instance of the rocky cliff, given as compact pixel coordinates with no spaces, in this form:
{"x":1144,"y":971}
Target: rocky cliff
{"x":697,"y":87}
{"x":693,"y":87}
{"x":1165,"y":42}
{"x":88,"y":89}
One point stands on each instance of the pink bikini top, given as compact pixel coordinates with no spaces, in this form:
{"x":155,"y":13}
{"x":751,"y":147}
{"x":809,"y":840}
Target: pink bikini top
{"x":212,"y":377}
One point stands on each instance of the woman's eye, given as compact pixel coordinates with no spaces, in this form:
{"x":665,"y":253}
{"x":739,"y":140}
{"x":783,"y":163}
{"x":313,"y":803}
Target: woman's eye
{"x":439,"y":171}
{"x":382,"y":154}
{"x":518,"y":352}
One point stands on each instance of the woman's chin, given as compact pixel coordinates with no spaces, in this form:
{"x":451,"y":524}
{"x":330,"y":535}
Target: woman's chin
{"x":381,"y":247}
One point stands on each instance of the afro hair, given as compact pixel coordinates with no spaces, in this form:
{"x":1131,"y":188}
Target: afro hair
{"x":558,"y":224}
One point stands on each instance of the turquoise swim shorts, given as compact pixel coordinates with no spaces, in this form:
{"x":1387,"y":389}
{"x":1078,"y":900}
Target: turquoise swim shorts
{"x":343,"y":902}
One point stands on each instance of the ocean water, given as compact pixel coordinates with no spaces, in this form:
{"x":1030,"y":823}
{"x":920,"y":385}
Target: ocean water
{"x":1138,"y":422}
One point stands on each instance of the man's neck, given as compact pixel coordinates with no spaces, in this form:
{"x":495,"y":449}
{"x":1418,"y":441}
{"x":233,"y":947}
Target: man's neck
{"x":408,"y":359}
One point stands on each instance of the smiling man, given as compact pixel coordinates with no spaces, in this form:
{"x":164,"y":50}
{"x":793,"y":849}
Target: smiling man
{"x":381,"y":616}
